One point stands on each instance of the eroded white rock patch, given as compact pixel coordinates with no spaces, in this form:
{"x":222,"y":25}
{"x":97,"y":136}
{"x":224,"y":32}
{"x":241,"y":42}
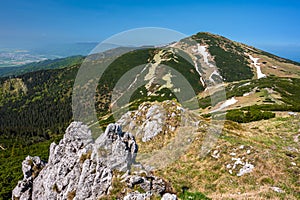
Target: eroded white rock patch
{"x":226,"y":104}
{"x":240,"y":163}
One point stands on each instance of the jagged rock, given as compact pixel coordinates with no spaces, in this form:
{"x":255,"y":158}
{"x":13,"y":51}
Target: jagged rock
{"x":169,"y":196}
{"x":152,"y":119}
{"x":22,"y":189}
{"x":158,"y":185}
{"x":117,"y":149}
{"x":134,"y":180}
{"x":77,"y":167}
{"x":31,"y":167}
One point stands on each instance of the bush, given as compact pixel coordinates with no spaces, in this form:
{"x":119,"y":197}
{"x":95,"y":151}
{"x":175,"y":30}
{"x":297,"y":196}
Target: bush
{"x":249,"y":115}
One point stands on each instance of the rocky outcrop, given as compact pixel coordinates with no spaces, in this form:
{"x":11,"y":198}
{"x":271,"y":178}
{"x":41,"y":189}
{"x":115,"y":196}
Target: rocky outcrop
{"x":142,"y":196}
{"x":81,"y":168}
{"x":152,"y":119}
{"x":116,"y":149}
{"x":31,"y":167}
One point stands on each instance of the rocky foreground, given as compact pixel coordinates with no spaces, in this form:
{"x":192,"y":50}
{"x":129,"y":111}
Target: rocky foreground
{"x":81,"y":168}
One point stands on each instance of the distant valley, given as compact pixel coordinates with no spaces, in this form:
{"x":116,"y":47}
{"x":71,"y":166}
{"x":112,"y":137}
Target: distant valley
{"x":16,"y":57}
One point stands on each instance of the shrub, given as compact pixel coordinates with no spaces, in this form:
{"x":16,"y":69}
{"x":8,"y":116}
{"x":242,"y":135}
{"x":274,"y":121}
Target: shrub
{"x":248,"y":116}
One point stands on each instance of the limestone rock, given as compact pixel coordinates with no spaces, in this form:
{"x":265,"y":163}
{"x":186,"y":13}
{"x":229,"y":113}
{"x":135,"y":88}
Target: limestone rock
{"x":168,"y":196}
{"x":152,"y":119}
{"x":117,"y":149}
{"x":138,"y":196}
{"x":78,"y":168}
{"x":31,"y":167}
{"x":81,"y":168}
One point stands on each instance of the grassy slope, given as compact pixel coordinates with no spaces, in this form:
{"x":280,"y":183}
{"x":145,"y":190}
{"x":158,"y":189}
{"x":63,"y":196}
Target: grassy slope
{"x":287,"y":90}
{"x":271,"y":151}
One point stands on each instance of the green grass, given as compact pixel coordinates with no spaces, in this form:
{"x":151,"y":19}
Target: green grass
{"x":288,"y":88}
{"x":248,"y":116}
{"x":195,"y":196}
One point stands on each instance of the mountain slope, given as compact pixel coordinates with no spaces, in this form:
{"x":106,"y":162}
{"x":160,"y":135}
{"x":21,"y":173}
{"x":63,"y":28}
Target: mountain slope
{"x":35,"y":107}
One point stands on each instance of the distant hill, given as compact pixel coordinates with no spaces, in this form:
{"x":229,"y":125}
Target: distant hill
{"x":19,"y":57}
{"x":42,"y":65}
{"x":65,"y":49}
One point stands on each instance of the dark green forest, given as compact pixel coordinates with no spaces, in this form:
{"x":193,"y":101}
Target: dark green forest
{"x":29,"y":122}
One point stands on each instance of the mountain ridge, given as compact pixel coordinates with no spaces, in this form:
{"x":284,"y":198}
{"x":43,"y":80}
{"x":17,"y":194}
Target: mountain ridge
{"x":35,"y":109}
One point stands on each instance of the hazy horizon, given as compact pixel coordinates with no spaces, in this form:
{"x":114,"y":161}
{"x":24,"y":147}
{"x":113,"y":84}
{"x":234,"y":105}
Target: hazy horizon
{"x":288,"y":51}
{"x":271,"y":25}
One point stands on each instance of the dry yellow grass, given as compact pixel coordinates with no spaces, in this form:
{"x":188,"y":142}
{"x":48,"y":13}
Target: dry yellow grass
{"x":279,"y":69}
{"x":272,"y":151}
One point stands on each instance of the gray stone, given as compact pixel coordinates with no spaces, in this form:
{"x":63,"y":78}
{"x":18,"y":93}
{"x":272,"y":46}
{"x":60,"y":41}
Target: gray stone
{"x":168,"y":196}
{"x":152,"y":184}
{"x":138,"y":196}
{"x":31,"y":167}
{"x":77,"y":167}
{"x":117,"y":149}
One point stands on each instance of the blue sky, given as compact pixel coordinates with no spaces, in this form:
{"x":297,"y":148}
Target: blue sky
{"x":270,"y":24}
